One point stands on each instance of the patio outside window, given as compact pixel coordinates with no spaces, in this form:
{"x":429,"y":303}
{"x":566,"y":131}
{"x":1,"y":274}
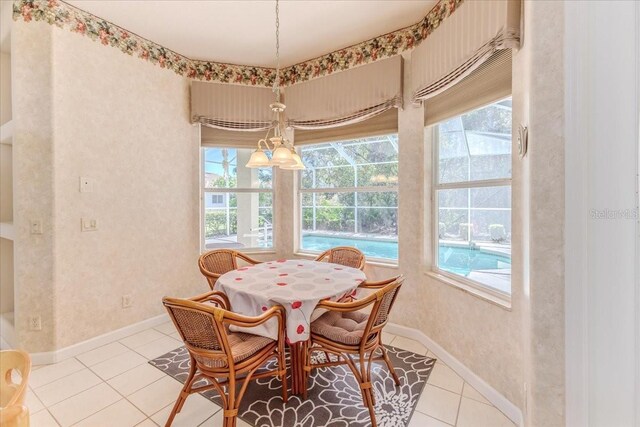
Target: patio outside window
{"x":473,"y":198}
{"x":237,"y":207}
{"x":348,"y":196}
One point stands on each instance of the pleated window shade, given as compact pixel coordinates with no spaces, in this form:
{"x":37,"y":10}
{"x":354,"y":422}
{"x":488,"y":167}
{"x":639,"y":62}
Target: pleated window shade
{"x":490,"y":82}
{"x":382,"y":124}
{"x":231,"y":107}
{"x":212,"y":137}
{"x":462,"y":43}
{"x":350,"y":104}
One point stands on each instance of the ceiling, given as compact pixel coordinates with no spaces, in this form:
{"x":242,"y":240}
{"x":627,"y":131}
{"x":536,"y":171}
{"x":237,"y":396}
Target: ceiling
{"x":243,"y":31}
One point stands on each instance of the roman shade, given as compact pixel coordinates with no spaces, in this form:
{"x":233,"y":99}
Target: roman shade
{"x":382,"y":124}
{"x":463,"y":42}
{"x":346,"y":99}
{"x":213,"y":137}
{"x":231,"y":107}
{"x":488,"y":83}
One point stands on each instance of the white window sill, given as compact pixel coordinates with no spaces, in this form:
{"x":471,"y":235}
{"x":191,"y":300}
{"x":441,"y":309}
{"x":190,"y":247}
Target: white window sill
{"x":258,"y":251}
{"x":248,"y":251}
{"x":501,"y":301}
{"x":374,"y":262}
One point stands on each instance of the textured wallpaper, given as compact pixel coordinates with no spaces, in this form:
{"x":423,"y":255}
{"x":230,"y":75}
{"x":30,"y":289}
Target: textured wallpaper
{"x":87,"y":110}
{"x":124,"y":124}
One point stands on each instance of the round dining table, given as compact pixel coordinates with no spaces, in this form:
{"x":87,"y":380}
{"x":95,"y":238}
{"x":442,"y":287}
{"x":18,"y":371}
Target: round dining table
{"x":298,"y":286}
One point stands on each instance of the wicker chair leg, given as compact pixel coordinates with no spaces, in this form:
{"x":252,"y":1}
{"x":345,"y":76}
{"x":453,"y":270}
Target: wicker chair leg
{"x":307,"y":371}
{"x":365,"y":386}
{"x":367,"y":376}
{"x":370,"y":405}
{"x":282,"y":366}
{"x":392,"y":371}
{"x":230,"y":412}
{"x":184,"y":393}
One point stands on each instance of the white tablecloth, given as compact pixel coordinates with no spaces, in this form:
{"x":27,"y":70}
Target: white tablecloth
{"x":297,"y":285}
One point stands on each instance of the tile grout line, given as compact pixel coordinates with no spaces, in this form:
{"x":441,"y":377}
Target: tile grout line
{"x":150,"y":342}
{"x":73,"y":395}
{"x":91,"y":415}
{"x":476,"y":400}
{"x":51,"y":415}
{"x":459,"y":405}
{"x":119,"y":394}
{"x":435,"y":418}
{"x":140,"y":409}
{"x":484,"y":403}
{"x":51,"y":364}
{"x":104,"y":382}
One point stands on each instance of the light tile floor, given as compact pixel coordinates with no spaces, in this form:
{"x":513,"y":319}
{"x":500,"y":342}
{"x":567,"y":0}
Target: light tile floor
{"x":115,"y":386}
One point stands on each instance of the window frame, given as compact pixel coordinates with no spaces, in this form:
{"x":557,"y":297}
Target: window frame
{"x":475,"y":287}
{"x":394,"y":188}
{"x":204,"y":190}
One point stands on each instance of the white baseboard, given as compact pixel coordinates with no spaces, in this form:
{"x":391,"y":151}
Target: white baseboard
{"x":48,"y":357}
{"x":490,"y":393}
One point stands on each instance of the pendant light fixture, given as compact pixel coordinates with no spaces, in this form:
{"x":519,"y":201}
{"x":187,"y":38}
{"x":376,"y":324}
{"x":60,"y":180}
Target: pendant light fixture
{"x":283,"y":153}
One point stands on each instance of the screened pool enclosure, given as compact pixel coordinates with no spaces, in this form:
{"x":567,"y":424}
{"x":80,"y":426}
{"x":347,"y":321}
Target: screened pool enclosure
{"x":348,"y":196}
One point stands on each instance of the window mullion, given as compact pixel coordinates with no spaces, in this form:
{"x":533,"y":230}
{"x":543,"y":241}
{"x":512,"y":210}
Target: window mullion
{"x":474,"y":184}
{"x":350,"y":190}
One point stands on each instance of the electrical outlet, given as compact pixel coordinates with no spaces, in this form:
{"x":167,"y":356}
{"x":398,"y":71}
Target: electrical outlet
{"x":86,"y":185}
{"x":35,"y":323}
{"x":88,"y":224}
{"x":35,"y":226}
{"x":127,"y":301}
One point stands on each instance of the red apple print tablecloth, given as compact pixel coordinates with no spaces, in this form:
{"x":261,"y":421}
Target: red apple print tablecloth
{"x":297,"y":285}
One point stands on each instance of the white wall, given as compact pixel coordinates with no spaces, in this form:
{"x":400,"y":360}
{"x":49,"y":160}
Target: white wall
{"x":603,"y":260}
{"x":124,"y":123}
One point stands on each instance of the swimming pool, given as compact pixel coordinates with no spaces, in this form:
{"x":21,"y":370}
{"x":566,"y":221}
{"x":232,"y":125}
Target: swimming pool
{"x":464,"y":260}
{"x":455,"y":259}
{"x":371,"y":248}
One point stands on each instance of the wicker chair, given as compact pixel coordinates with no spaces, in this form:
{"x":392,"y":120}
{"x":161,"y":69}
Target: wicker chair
{"x":217,"y":353}
{"x":214,"y":264}
{"x":346,"y":331}
{"x":13,"y":413}
{"x":344,"y":255}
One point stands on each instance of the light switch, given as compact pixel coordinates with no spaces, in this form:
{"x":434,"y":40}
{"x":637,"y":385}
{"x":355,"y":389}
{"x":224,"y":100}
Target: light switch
{"x":89,"y":224}
{"x":35,"y":226}
{"x":86,"y":185}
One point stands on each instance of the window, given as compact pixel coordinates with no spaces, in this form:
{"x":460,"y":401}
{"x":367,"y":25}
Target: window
{"x":238,"y":201}
{"x":348,"y":196}
{"x":473,"y":198}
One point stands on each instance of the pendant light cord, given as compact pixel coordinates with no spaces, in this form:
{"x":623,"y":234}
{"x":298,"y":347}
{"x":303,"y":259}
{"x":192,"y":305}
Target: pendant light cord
{"x":276,"y":84}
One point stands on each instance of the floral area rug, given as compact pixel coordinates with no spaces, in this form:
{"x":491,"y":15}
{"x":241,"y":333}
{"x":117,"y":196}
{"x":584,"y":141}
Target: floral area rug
{"x":334,"y":398}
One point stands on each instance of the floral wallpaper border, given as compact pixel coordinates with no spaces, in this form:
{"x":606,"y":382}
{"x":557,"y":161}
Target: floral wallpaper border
{"x":381,"y":47}
{"x":64,"y":15}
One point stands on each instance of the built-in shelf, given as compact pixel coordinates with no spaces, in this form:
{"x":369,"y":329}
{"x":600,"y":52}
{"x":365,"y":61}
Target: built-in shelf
{"x":6,"y":133}
{"x":7,"y":230}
